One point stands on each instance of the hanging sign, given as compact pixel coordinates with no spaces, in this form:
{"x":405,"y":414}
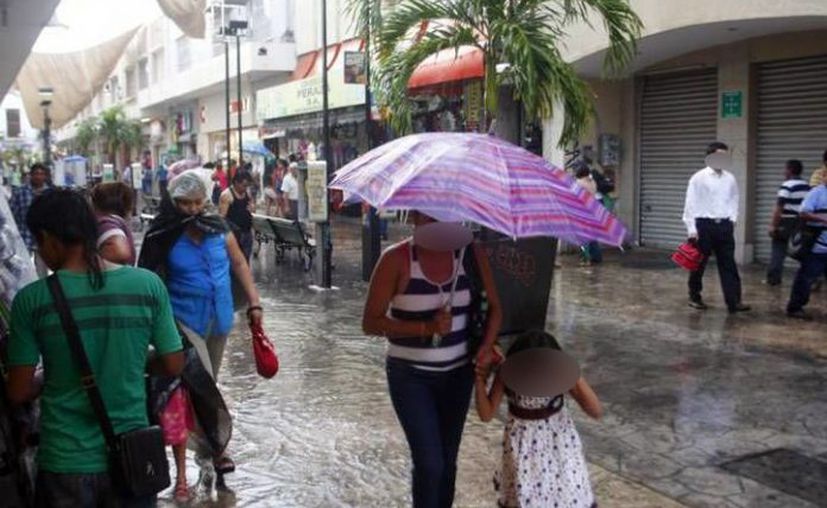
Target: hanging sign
{"x":355,"y":68}
{"x":731,"y":104}
{"x":316,"y":187}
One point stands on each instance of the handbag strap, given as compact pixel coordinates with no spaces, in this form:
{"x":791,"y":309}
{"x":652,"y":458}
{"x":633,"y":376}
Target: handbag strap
{"x":87,"y":376}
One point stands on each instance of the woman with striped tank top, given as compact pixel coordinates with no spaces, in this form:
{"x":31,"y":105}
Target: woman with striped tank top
{"x":419,"y":300}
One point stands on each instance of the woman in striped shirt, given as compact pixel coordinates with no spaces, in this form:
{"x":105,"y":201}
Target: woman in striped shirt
{"x":429,"y":370}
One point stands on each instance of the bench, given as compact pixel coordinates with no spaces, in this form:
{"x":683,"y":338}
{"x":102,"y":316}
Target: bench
{"x":151,"y":205}
{"x":286,"y":235}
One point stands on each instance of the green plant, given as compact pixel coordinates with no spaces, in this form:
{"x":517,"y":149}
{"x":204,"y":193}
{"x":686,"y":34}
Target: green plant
{"x":524,"y":34}
{"x":85,"y":135}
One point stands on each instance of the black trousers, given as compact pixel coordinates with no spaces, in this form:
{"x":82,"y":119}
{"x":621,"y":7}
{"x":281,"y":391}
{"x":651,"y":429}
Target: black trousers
{"x":717,"y":237}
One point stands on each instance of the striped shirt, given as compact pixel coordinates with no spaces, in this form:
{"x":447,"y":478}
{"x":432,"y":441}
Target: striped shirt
{"x":790,"y":196}
{"x":420,"y":302}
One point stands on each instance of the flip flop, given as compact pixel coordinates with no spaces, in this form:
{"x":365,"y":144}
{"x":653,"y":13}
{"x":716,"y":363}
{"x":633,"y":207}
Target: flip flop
{"x":224,"y":465}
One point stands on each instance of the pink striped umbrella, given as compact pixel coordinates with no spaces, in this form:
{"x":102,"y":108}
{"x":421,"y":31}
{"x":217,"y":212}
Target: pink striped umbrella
{"x":478,"y":178}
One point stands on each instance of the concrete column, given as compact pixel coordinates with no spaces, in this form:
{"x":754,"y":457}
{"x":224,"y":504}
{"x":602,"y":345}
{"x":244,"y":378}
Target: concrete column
{"x":628,"y":174}
{"x":552,"y":129}
{"x":734,"y":75}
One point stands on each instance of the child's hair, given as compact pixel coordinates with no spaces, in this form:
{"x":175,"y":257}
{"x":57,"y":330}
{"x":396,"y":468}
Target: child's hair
{"x":532,"y":339}
{"x":112,"y":198}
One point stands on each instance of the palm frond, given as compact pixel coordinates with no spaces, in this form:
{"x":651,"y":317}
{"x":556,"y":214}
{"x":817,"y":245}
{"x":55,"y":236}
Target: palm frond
{"x":406,"y":17}
{"x":397,"y":68}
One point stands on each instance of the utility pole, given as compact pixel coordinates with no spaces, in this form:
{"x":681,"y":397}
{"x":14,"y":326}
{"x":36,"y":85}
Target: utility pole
{"x":238,"y":94}
{"x":371,"y":241}
{"x":323,"y":229}
{"x":227,"y":95}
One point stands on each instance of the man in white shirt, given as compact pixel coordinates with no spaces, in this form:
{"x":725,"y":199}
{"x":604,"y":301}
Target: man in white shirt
{"x":290,"y":188}
{"x":710,"y":214}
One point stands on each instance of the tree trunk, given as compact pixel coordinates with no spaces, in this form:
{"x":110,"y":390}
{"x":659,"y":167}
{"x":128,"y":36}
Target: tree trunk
{"x":508,"y":115}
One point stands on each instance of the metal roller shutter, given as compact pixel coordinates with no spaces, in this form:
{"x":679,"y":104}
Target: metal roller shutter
{"x":792,"y":124}
{"x":678,"y":119}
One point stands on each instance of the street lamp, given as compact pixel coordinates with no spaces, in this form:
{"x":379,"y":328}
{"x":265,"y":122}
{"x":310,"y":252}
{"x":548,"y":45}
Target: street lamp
{"x":237,"y":28}
{"x":46,"y":94}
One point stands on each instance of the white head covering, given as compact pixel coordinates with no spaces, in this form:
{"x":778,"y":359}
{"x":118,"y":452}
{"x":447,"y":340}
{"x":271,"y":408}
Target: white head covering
{"x":187,"y":185}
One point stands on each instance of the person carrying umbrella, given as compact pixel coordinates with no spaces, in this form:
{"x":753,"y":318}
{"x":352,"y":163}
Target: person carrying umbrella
{"x":418,"y":299}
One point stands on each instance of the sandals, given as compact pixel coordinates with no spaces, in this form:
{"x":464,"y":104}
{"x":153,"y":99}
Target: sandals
{"x":181,"y":494}
{"x":224,"y":465}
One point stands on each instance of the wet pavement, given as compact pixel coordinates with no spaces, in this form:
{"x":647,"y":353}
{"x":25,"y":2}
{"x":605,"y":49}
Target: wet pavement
{"x":685,"y":393}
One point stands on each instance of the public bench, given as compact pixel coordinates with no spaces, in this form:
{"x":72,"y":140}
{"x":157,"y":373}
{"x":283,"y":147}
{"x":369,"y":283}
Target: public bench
{"x":286,"y":235}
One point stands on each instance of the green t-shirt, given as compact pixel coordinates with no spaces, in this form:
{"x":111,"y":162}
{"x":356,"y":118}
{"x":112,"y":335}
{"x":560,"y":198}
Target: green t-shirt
{"x":117,"y":324}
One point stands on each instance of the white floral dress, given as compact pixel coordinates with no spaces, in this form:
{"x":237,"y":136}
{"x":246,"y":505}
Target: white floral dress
{"x":543,"y":464}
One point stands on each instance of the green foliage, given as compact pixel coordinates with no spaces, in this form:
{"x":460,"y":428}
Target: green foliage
{"x":526,"y":34}
{"x":85,"y":135}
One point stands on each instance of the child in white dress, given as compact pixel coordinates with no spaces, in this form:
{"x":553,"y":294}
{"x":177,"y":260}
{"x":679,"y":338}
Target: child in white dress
{"x":543,"y":463}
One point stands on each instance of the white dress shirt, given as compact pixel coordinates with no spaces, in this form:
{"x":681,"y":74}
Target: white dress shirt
{"x":710,"y":195}
{"x":290,"y":186}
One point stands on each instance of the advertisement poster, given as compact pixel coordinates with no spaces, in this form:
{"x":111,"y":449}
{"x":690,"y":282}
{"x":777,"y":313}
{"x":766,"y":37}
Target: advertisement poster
{"x":355,"y":68}
{"x":316,"y":186}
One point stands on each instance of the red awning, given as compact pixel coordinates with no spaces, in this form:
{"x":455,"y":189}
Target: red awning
{"x":309,"y":64}
{"x":449,"y":65}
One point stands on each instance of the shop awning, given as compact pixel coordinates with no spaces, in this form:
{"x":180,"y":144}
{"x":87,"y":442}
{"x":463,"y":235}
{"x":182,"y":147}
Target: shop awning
{"x":310,"y":64}
{"x":449,"y":65}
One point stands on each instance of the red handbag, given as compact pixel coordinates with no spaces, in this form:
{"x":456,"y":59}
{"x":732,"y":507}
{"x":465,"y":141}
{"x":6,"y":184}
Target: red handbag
{"x":688,"y":256}
{"x":267,"y":361}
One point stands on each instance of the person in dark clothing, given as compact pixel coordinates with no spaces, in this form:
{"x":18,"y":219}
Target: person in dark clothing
{"x":237,"y":207}
{"x":710,"y":213}
{"x":785,"y":217}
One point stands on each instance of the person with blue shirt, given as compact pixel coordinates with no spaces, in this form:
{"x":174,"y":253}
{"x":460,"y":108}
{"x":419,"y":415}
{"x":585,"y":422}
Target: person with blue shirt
{"x":814,"y":266}
{"x":196,"y":253}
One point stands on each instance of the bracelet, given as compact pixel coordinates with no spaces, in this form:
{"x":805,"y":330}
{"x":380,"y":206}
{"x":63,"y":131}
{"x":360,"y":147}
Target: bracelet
{"x":254,"y":307}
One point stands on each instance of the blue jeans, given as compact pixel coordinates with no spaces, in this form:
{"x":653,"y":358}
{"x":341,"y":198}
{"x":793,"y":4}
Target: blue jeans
{"x":58,"y":490}
{"x":812,"y":268}
{"x":431,"y":406}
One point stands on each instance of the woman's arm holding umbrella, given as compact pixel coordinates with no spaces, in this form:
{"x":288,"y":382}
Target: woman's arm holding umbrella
{"x":242,"y":271}
{"x":383,"y":286}
{"x":495,"y":312}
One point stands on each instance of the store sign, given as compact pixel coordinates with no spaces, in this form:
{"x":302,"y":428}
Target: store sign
{"x":473,"y":102}
{"x":305,"y":96}
{"x":245,"y":105}
{"x":316,"y":186}
{"x":355,"y":68}
{"x":732,"y":104}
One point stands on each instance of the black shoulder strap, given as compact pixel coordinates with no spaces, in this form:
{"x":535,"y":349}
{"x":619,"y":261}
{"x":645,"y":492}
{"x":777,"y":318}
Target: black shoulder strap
{"x":87,"y":377}
{"x":472,"y":269}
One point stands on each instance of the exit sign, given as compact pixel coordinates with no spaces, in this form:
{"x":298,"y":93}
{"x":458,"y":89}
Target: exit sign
{"x":732,"y":104}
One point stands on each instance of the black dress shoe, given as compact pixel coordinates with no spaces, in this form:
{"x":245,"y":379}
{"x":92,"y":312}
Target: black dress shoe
{"x":799,"y":314}
{"x":698,"y":304}
{"x":740,"y":308}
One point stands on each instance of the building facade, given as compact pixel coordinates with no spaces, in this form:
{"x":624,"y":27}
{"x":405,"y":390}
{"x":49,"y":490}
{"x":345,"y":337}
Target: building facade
{"x":750,"y":74}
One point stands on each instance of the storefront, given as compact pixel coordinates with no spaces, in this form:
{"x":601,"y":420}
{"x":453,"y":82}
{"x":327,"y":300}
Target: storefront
{"x":183,"y":133}
{"x":291,"y":117}
{"x":213,"y":119}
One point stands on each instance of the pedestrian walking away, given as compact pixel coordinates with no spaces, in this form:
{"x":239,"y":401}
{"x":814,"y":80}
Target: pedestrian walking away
{"x":814,"y":265}
{"x":710,"y":214}
{"x":113,"y":301}
{"x":542,"y":459}
{"x":590,"y":253}
{"x":197,"y":253}
{"x":428,"y":361}
{"x":784,"y":220}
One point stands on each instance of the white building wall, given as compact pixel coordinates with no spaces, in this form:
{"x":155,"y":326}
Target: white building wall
{"x":12,"y":100}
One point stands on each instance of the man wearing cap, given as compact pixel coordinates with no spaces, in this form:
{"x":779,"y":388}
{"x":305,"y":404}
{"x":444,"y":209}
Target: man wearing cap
{"x":710,"y":213}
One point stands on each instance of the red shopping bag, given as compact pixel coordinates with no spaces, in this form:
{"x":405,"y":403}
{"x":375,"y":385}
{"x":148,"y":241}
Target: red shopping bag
{"x":688,"y":256}
{"x":267,"y":361}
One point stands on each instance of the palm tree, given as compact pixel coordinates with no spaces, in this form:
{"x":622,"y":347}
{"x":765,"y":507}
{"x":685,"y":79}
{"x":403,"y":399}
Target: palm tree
{"x":132,"y":137}
{"x":111,"y":128}
{"x":86,"y":133}
{"x":523,"y":37}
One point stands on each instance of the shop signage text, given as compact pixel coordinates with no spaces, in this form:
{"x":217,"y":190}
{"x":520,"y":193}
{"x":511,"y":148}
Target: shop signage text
{"x":316,"y":186}
{"x":305,"y":96}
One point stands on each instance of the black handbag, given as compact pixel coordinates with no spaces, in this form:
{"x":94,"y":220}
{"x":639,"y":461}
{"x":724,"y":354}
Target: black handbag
{"x":478,"y":310}
{"x":137,"y":459}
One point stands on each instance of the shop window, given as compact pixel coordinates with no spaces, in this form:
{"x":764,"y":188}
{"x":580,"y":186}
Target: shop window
{"x":157,"y":65}
{"x":131,"y":85}
{"x":184,"y":56}
{"x":13,"y":123}
{"x":143,"y":74}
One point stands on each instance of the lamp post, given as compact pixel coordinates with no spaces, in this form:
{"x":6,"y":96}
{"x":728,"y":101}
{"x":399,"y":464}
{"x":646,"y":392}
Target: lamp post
{"x":235,"y":28}
{"x":46,"y":94}
{"x":371,"y":240}
{"x":323,"y":229}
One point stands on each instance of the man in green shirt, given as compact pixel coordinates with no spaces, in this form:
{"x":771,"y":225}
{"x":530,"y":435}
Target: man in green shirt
{"x":120,"y":312}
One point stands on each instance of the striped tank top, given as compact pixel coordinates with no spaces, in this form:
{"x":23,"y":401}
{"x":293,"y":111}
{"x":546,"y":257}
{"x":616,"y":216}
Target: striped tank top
{"x":420,"y":302}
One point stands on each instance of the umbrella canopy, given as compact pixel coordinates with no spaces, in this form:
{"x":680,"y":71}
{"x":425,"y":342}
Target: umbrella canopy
{"x":479,"y":178}
{"x":179,"y":167}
